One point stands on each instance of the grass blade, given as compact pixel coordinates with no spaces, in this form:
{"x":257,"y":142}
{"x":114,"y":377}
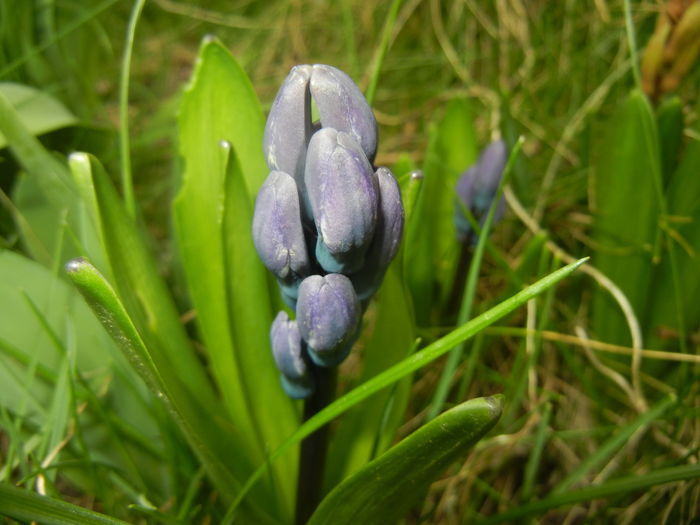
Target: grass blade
{"x":124,"y":149}
{"x":607,"y":449}
{"x":608,"y":489}
{"x":209,"y":440}
{"x":25,"y":505}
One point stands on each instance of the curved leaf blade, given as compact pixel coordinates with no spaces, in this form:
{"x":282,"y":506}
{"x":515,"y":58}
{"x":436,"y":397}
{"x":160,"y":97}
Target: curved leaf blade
{"x":22,"y":504}
{"x":206,"y":435}
{"x":386,"y":488}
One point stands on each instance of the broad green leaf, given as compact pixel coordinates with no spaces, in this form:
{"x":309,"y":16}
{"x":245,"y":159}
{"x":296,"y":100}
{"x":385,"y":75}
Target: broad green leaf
{"x":215,"y":107}
{"x":33,"y":286}
{"x":626,"y":188}
{"x":24,"y":505}
{"x":138,"y":283}
{"x":207,"y":434}
{"x":404,"y":368}
{"x":430,"y":236}
{"x":370,"y":427}
{"x":43,"y":321}
{"x":220,"y":119}
{"x":250,"y":319}
{"x":39,"y":112}
{"x":384,"y":490}
{"x":677,"y":279}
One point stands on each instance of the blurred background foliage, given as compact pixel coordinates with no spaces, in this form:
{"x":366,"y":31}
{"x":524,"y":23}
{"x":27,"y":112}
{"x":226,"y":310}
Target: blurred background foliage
{"x":559,"y":73}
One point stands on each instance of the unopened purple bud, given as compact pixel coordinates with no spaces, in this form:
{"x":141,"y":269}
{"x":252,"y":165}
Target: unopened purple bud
{"x":387,"y":236}
{"x":477,"y":187}
{"x":277,"y":229}
{"x":288,"y":126}
{"x":342,"y":192}
{"x":288,"y":352}
{"x":329,"y":314}
{"x":342,"y":106}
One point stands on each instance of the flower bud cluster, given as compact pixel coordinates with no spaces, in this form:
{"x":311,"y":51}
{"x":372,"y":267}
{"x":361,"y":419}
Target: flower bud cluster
{"x":477,"y":187}
{"x":326,"y":222}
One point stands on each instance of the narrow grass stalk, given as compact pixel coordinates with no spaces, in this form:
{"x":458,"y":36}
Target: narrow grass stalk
{"x":533,"y":461}
{"x":124,"y":145}
{"x":25,"y":505}
{"x":632,"y":42}
{"x":380,"y":52}
{"x":465,"y":310}
{"x":632,"y":483}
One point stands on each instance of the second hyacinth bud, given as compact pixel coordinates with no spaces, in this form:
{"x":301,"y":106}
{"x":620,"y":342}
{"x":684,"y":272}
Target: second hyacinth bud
{"x":477,"y":187}
{"x":328,"y":313}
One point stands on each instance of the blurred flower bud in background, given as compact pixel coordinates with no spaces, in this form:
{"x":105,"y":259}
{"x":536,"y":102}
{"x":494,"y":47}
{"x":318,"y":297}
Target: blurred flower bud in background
{"x":477,"y":187}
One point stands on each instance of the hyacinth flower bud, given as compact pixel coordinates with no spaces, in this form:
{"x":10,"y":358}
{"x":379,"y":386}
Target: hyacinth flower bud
{"x":387,"y":236}
{"x":329,"y":314}
{"x":288,"y":126}
{"x":342,"y":192}
{"x":477,"y":187}
{"x":278,"y":234}
{"x":342,"y":106}
{"x":288,"y":352}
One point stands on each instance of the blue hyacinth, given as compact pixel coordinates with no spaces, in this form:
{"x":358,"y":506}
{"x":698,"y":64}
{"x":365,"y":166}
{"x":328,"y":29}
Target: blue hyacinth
{"x":327,"y":223}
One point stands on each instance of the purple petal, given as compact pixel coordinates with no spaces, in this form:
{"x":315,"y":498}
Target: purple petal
{"x":387,"y":237}
{"x":342,"y":106}
{"x":288,"y":352}
{"x":277,"y":229}
{"x":329,"y":314}
{"x":288,"y":125}
{"x":342,"y":192}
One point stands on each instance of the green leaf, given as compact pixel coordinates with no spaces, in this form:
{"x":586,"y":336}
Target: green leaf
{"x":45,"y":322}
{"x":384,"y":490}
{"x":250,"y":317}
{"x":39,"y":112}
{"x":137,"y":281}
{"x":627,"y":179}
{"x":24,"y":505}
{"x":211,"y":107}
{"x":31,"y":292}
{"x":370,"y":427}
{"x":677,"y":286}
{"x":149,"y":307}
{"x":669,"y":119}
{"x":206,"y":433}
{"x":221,"y":128}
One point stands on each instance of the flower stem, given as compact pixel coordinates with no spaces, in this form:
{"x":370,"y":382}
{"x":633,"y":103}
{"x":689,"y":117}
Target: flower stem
{"x":314,"y":447}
